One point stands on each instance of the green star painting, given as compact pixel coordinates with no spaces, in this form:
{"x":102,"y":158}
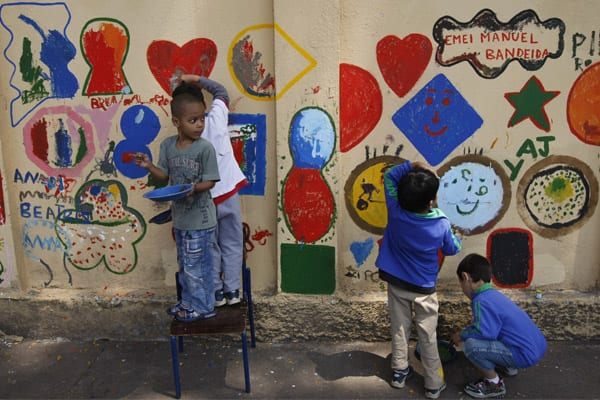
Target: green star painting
{"x":529,"y":103}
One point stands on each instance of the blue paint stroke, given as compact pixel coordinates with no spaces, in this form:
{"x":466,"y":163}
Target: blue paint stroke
{"x":312,"y":138}
{"x":56,"y":52}
{"x":361,"y":250}
{"x":252,"y":130}
{"x":140,"y":126}
{"x":64,"y":149}
{"x":437,"y":119}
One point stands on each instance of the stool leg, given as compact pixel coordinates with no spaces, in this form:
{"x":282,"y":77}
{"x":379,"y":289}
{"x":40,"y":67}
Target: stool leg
{"x":248,"y":295}
{"x":246,"y":363}
{"x":175,"y":367}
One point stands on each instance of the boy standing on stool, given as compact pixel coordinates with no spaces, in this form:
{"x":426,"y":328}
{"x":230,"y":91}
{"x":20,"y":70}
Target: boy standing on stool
{"x":408,"y":261}
{"x":227,"y":255}
{"x":188,"y":158}
{"x":502,"y":336}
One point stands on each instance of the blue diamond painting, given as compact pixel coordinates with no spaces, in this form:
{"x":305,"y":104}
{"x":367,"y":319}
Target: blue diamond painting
{"x":437,"y":119}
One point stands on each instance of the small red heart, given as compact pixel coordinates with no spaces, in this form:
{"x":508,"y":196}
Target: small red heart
{"x":197,"y":57}
{"x":403,"y":61}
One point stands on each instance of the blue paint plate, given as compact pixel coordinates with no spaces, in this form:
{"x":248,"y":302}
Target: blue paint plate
{"x":445,"y":349}
{"x":169,"y":193}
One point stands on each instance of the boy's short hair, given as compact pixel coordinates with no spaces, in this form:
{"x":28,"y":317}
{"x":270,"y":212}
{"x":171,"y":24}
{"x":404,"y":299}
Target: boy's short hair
{"x":185,"y":93}
{"x":477,"y":266}
{"x":416,"y":189}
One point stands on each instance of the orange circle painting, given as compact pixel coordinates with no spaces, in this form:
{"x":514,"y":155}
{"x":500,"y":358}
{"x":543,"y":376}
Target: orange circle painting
{"x":583,"y":105}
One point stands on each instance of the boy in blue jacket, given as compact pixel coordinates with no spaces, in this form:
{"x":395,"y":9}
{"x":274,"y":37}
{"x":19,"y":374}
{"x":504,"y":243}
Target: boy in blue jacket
{"x":502,"y":336}
{"x":408,"y":261}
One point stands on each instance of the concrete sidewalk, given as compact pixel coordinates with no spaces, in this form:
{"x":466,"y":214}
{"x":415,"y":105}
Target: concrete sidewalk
{"x":211,"y":368}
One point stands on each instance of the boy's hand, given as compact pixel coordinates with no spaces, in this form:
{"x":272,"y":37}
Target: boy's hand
{"x":422,"y":165}
{"x":457,"y":232}
{"x":189,"y":78}
{"x":455,"y":339}
{"x":142,"y":160}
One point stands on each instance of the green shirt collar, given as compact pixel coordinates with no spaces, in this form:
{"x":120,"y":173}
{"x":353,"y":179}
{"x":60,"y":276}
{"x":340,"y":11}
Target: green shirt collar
{"x":483,"y":288}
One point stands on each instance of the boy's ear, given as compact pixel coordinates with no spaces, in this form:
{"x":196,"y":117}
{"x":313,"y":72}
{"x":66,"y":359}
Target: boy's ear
{"x":175,"y":121}
{"x":466,"y":276}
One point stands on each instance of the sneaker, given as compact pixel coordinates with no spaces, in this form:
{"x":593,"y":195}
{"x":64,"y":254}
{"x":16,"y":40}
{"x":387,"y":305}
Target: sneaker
{"x":232,"y":297}
{"x":434,"y":393}
{"x":483,"y":389}
{"x":219,"y":298}
{"x":176,"y":309}
{"x":193,"y":315}
{"x":399,"y":377}
{"x":507,"y":371}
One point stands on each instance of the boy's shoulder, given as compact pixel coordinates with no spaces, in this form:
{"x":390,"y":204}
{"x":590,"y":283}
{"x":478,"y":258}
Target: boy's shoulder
{"x":169,"y":139}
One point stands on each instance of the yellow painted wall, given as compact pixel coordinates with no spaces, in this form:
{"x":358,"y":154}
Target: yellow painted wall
{"x":307,"y":47}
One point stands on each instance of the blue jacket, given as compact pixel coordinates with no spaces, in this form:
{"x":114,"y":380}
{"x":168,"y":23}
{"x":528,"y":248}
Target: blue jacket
{"x":411,"y":242}
{"x":496,"y":317}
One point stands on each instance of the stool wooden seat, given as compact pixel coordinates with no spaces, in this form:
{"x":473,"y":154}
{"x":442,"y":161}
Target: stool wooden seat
{"x":229,"y":320}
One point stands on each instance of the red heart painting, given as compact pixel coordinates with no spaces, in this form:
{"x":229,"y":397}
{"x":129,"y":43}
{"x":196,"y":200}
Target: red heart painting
{"x":197,"y":56}
{"x":403,"y":61}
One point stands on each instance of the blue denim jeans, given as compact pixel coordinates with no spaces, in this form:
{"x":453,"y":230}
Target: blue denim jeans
{"x":228,"y":254}
{"x":195,"y":268}
{"x":487,"y":354}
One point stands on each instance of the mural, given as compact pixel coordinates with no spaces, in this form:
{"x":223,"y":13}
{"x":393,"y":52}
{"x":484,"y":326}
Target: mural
{"x":308,"y":203}
{"x":102,"y":229}
{"x":80,"y":122}
{"x":474,"y":193}
{"x":403,"y":61}
{"x":254,"y":74}
{"x":104,"y":46}
{"x":39,"y":53}
{"x":582,"y":106}
{"x":437,"y":119}
{"x":165,"y":59}
{"x":529,"y":104}
{"x":307,"y":269}
{"x":248,"y":133}
{"x":557,"y":195}
{"x":361,"y":105}
{"x":510,"y":252}
{"x":59,"y":141}
{"x":140,"y":126}
{"x":365,"y":195}
{"x":490,"y":46}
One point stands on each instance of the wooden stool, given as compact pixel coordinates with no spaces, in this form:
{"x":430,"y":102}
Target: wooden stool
{"x":229,"y":320}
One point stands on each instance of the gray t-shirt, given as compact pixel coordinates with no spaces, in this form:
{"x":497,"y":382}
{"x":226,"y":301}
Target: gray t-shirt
{"x":194,"y":164}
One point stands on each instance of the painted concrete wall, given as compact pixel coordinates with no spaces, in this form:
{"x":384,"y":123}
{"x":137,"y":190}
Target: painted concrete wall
{"x":501,"y":98}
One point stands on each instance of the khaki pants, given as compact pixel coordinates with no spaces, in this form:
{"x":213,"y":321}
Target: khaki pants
{"x":401,"y":303}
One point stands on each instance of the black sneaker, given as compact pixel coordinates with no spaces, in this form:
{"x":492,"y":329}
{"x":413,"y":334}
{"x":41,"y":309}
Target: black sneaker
{"x":434,"y":393}
{"x":232,"y":297}
{"x":219,"y":298}
{"x":399,"y":377}
{"x":507,"y":371}
{"x":484,"y":389}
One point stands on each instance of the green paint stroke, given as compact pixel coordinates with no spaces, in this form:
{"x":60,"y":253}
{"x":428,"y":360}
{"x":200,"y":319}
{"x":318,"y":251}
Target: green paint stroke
{"x":83,"y":149}
{"x":559,"y":190}
{"x":307,"y":269}
{"x":32,"y":75}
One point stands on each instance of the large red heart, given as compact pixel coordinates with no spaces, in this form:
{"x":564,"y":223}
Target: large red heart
{"x":197,"y":56}
{"x":403,"y":61}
